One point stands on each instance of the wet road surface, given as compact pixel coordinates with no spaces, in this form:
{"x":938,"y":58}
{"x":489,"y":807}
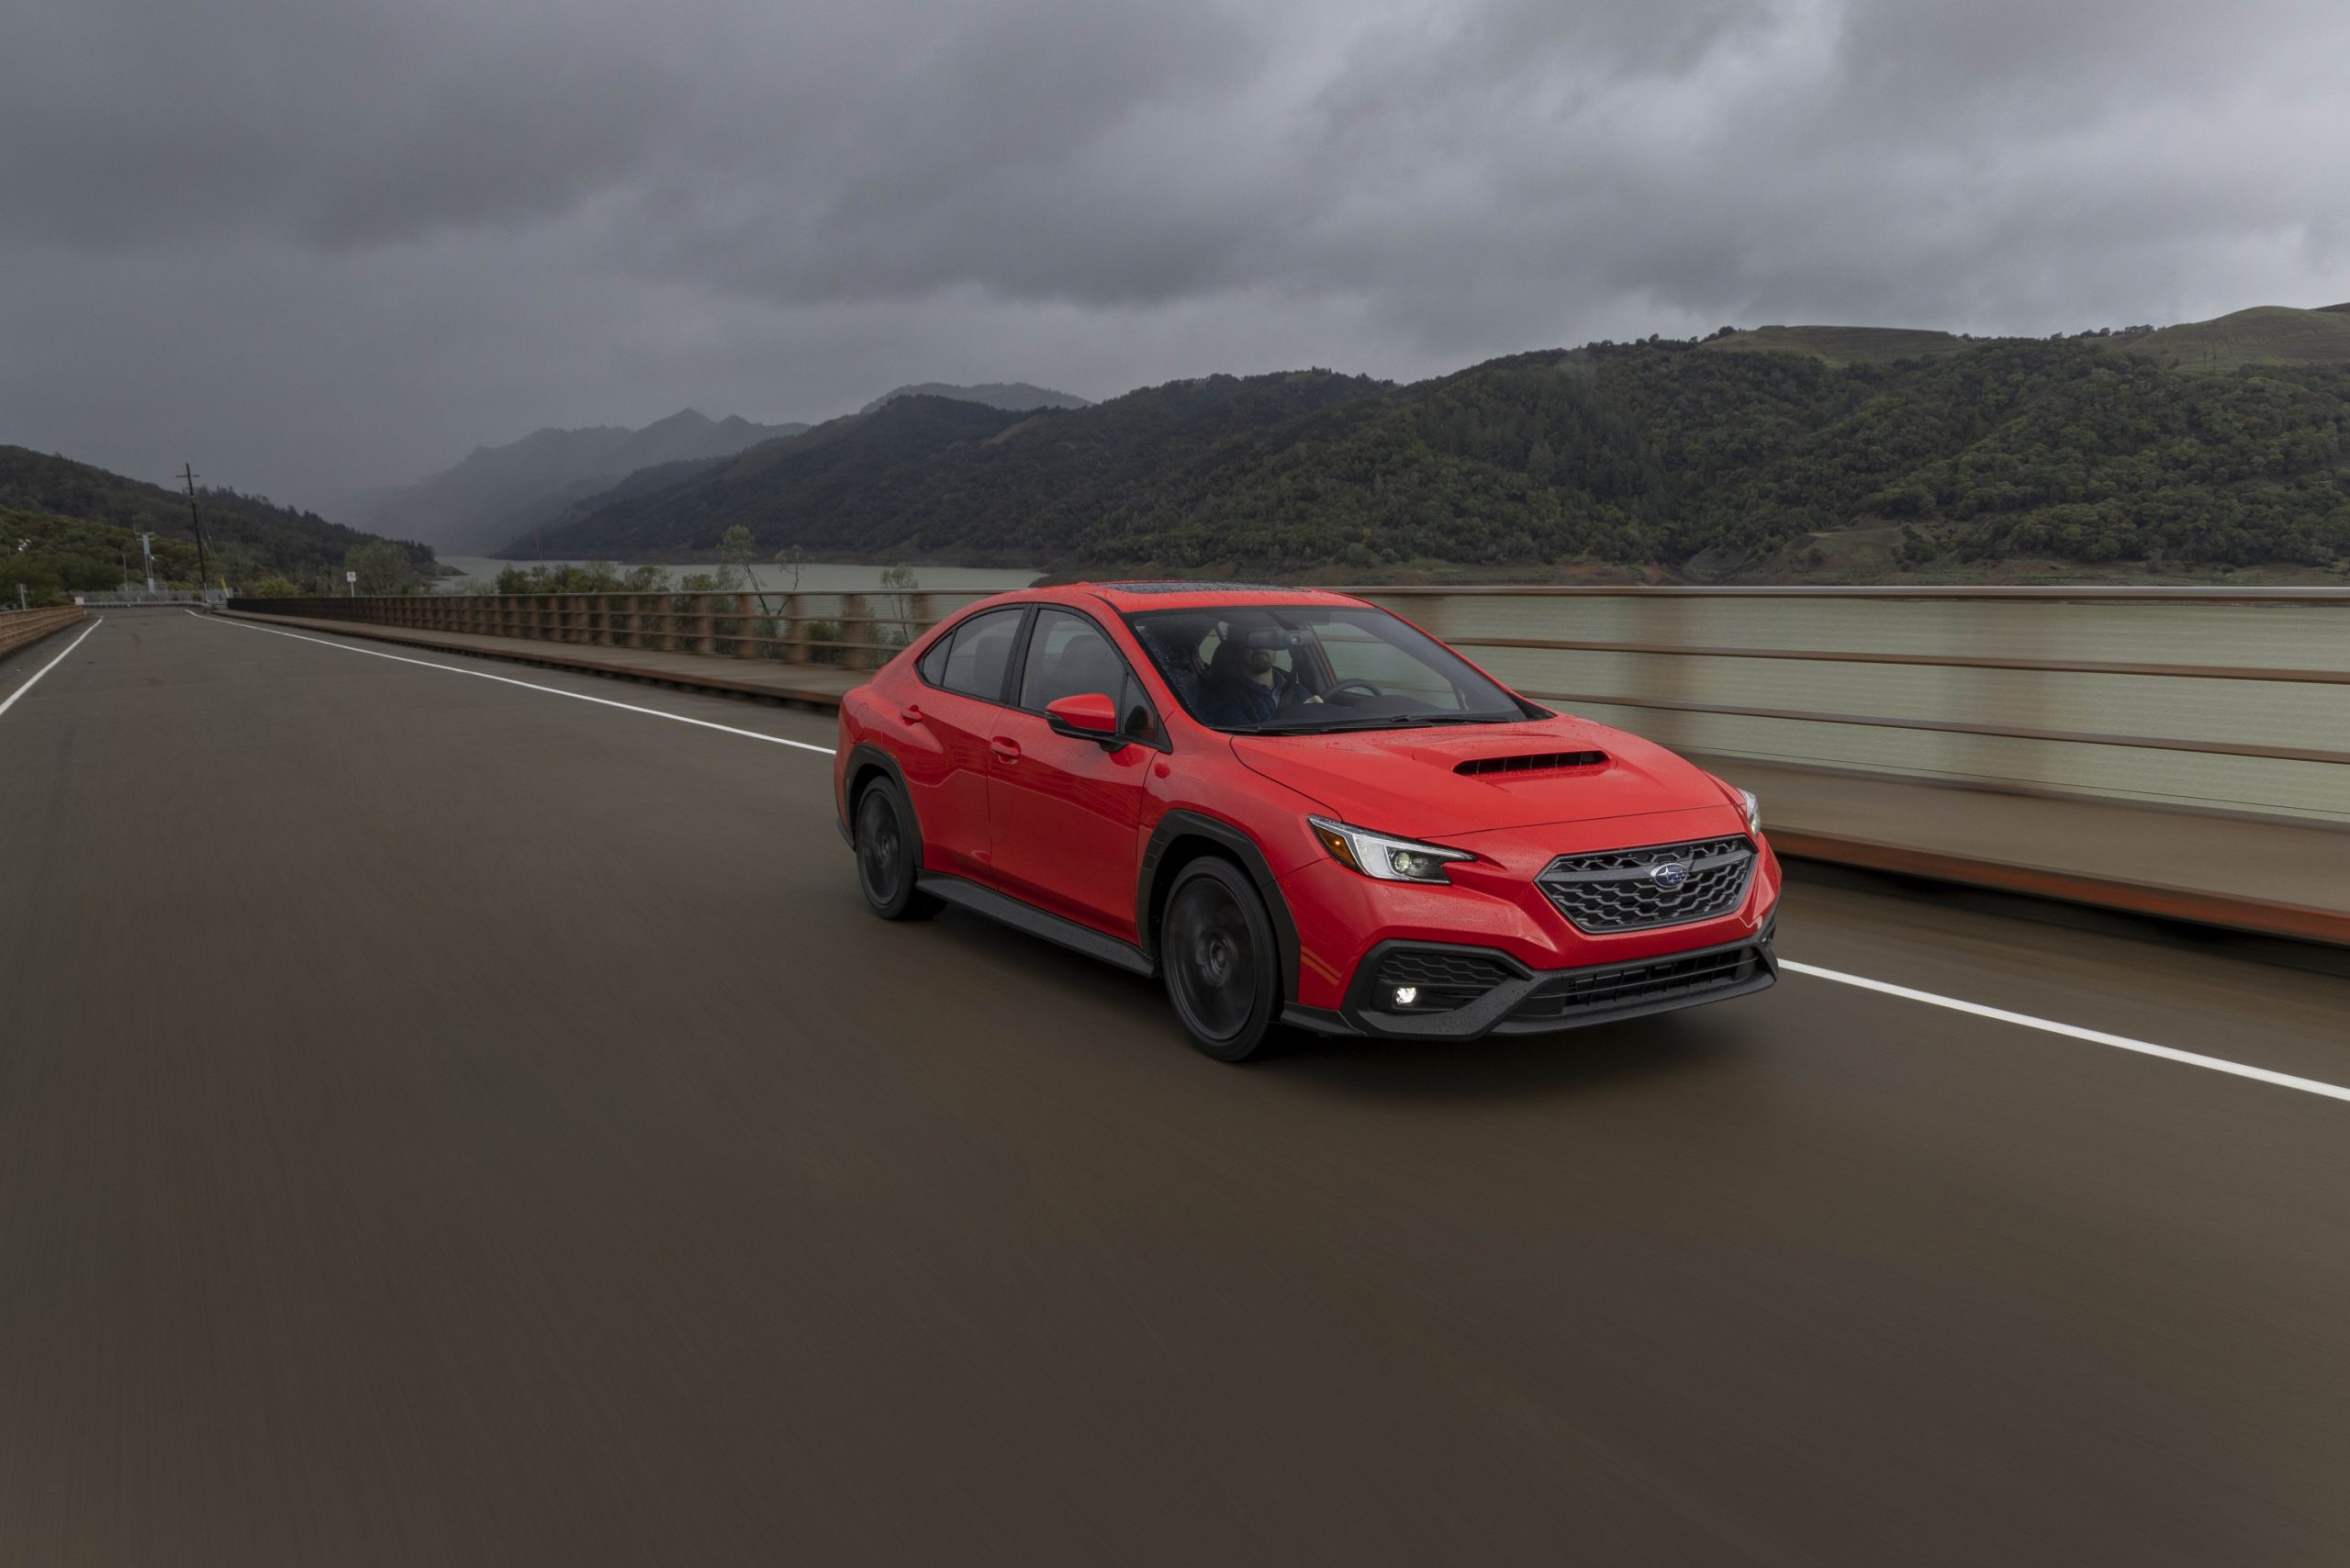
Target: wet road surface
{"x":443,"y":1123}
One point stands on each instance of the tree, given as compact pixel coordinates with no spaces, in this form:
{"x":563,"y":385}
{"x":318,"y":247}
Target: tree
{"x":382,"y":568}
{"x":736,"y":549}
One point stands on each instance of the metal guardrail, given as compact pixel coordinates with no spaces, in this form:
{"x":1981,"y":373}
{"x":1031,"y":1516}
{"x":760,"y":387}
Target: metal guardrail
{"x":855,"y":630}
{"x":18,"y":627}
{"x":2221,"y":699}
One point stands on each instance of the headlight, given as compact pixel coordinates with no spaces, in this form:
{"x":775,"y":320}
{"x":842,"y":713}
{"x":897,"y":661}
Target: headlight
{"x":1389,"y":860}
{"x":1754,"y":811}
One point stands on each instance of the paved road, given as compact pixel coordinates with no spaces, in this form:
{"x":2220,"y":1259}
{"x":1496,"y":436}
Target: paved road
{"x":444,"y":1122}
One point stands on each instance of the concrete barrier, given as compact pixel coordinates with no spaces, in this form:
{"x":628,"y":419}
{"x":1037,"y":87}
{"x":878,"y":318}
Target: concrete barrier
{"x":2225,"y":699}
{"x":18,"y":627}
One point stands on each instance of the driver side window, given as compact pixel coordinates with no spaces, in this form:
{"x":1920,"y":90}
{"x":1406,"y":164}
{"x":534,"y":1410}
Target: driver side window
{"x":1070,"y":656}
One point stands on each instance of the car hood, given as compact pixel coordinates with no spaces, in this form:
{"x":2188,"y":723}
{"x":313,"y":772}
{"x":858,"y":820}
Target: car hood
{"x":1410,"y":782}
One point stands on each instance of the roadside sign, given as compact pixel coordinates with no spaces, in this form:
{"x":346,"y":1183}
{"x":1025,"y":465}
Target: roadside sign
{"x":351,"y":577}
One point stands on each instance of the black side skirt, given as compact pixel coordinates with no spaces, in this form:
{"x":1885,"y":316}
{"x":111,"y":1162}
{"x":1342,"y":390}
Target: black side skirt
{"x":1027,"y":917}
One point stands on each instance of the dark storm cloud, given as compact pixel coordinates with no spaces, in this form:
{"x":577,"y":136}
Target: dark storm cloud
{"x":314,"y":243}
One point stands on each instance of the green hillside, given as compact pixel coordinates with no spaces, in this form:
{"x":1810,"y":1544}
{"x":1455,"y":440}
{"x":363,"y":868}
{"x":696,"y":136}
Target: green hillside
{"x":249,"y":536}
{"x":1669,"y":457}
{"x":2266,"y":334}
{"x":53,"y":556}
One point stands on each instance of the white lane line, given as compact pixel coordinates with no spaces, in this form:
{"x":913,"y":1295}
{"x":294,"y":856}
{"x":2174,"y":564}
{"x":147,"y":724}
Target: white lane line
{"x":2073,"y":1031}
{"x":526,"y":684}
{"x":51,"y":664}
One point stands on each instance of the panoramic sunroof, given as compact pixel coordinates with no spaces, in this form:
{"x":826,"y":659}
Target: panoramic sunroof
{"x":1197,"y":588}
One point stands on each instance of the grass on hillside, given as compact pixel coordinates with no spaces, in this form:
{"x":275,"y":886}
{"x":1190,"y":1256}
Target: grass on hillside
{"x":1842,"y":346}
{"x":2266,"y":334}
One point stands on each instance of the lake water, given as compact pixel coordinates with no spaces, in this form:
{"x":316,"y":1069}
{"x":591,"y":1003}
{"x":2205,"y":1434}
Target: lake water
{"x":815,"y":577}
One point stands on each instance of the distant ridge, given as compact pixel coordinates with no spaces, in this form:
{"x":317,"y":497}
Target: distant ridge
{"x":1012,"y":395}
{"x":1831,"y":453}
{"x":497,"y":494}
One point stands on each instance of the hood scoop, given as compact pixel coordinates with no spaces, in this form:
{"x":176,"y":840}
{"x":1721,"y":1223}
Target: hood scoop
{"x":1532,"y":764}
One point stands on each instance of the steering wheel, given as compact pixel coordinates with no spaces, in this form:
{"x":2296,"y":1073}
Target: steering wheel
{"x":1366,"y":687}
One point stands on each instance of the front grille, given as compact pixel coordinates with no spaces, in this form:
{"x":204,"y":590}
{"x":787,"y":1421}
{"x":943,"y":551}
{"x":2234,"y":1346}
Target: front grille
{"x":1618,"y":890}
{"x":1443,"y":979}
{"x":1631,"y":984}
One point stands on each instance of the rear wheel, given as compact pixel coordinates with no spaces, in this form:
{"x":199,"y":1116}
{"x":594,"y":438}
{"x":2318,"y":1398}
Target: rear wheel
{"x":888,"y":852}
{"x":1223,"y":966}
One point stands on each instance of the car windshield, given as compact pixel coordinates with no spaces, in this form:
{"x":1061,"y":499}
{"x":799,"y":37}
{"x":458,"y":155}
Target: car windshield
{"x":1311,"y":669}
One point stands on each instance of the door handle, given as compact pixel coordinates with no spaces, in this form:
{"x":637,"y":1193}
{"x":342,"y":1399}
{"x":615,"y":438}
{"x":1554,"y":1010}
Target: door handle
{"x":911,"y":713}
{"x":1006,"y":749}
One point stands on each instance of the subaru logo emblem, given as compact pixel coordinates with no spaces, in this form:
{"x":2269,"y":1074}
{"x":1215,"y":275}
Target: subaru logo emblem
{"x":1669,"y":874}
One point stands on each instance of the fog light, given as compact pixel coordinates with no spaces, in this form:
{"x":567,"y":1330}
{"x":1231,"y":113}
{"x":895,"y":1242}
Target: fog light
{"x":1407,"y":994}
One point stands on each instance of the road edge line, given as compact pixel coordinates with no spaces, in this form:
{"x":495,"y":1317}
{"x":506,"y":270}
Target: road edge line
{"x":2074,"y":1031}
{"x":35,"y":679}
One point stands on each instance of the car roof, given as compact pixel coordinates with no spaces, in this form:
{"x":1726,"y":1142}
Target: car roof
{"x":1136,"y":597}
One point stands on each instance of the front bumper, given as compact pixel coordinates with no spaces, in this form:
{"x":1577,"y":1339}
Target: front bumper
{"x":1483,"y":990}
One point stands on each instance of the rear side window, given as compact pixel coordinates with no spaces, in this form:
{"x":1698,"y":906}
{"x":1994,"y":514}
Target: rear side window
{"x":973,"y":659}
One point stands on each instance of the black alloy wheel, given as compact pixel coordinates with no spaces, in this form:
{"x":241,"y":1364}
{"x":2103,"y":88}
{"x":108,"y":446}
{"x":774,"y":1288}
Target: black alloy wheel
{"x":887,"y":855}
{"x":1223,"y":965}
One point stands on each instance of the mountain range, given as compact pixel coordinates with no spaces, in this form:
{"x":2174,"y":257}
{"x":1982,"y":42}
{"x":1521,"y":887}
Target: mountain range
{"x":499,"y":494}
{"x":1769,"y":453}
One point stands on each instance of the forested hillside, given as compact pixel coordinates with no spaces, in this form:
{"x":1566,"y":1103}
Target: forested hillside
{"x":1707,"y":460}
{"x":924,"y":475}
{"x":249,"y":536}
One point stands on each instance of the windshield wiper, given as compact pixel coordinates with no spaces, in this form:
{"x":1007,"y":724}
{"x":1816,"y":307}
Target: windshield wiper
{"x":1367,"y":722}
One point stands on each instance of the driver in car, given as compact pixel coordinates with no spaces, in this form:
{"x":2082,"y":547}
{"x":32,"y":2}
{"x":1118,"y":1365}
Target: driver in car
{"x":1243,"y":687}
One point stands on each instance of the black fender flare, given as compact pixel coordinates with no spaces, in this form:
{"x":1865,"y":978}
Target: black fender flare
{"x":1177,"y":824}
{"x":864,"y":754}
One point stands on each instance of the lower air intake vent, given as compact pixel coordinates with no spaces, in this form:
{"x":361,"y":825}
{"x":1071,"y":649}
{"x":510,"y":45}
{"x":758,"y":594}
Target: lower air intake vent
{"x":1536,"y":762}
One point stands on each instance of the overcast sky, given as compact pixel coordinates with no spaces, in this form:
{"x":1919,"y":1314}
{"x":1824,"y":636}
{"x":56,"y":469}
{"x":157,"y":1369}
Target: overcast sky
{"x":313,"y":245}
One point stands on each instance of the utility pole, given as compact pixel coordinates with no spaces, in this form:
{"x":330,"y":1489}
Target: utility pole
{"x":203,"y":566}
{"x":147,"y":547}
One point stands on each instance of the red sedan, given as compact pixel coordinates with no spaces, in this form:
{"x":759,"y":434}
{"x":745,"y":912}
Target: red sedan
{"x":1299,"y":809}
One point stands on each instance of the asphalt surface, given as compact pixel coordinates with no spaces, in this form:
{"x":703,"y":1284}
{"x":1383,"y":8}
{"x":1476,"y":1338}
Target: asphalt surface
{"x":443,"y":1123}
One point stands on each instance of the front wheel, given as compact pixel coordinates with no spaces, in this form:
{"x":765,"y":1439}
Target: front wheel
{"x":1223,"y":965}
{"x":888,"y":852}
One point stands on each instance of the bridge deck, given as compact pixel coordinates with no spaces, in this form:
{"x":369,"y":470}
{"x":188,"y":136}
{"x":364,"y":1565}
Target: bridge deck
{"x":443,"y":1121}
{"x":2273,"y":876}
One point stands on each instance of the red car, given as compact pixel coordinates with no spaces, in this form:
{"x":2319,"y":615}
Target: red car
{"x":1299,"y":809}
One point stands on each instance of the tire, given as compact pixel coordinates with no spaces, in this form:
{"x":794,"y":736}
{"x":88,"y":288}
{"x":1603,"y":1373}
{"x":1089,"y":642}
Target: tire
{"x":888,"y":852}
{"x":1221,"y":964}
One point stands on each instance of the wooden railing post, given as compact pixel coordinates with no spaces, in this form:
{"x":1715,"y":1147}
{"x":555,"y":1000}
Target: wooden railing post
{"x":745,"y":628}
{"x":795,"y":630}
{"x":705,"y":625}
{"x":857,"y":628}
